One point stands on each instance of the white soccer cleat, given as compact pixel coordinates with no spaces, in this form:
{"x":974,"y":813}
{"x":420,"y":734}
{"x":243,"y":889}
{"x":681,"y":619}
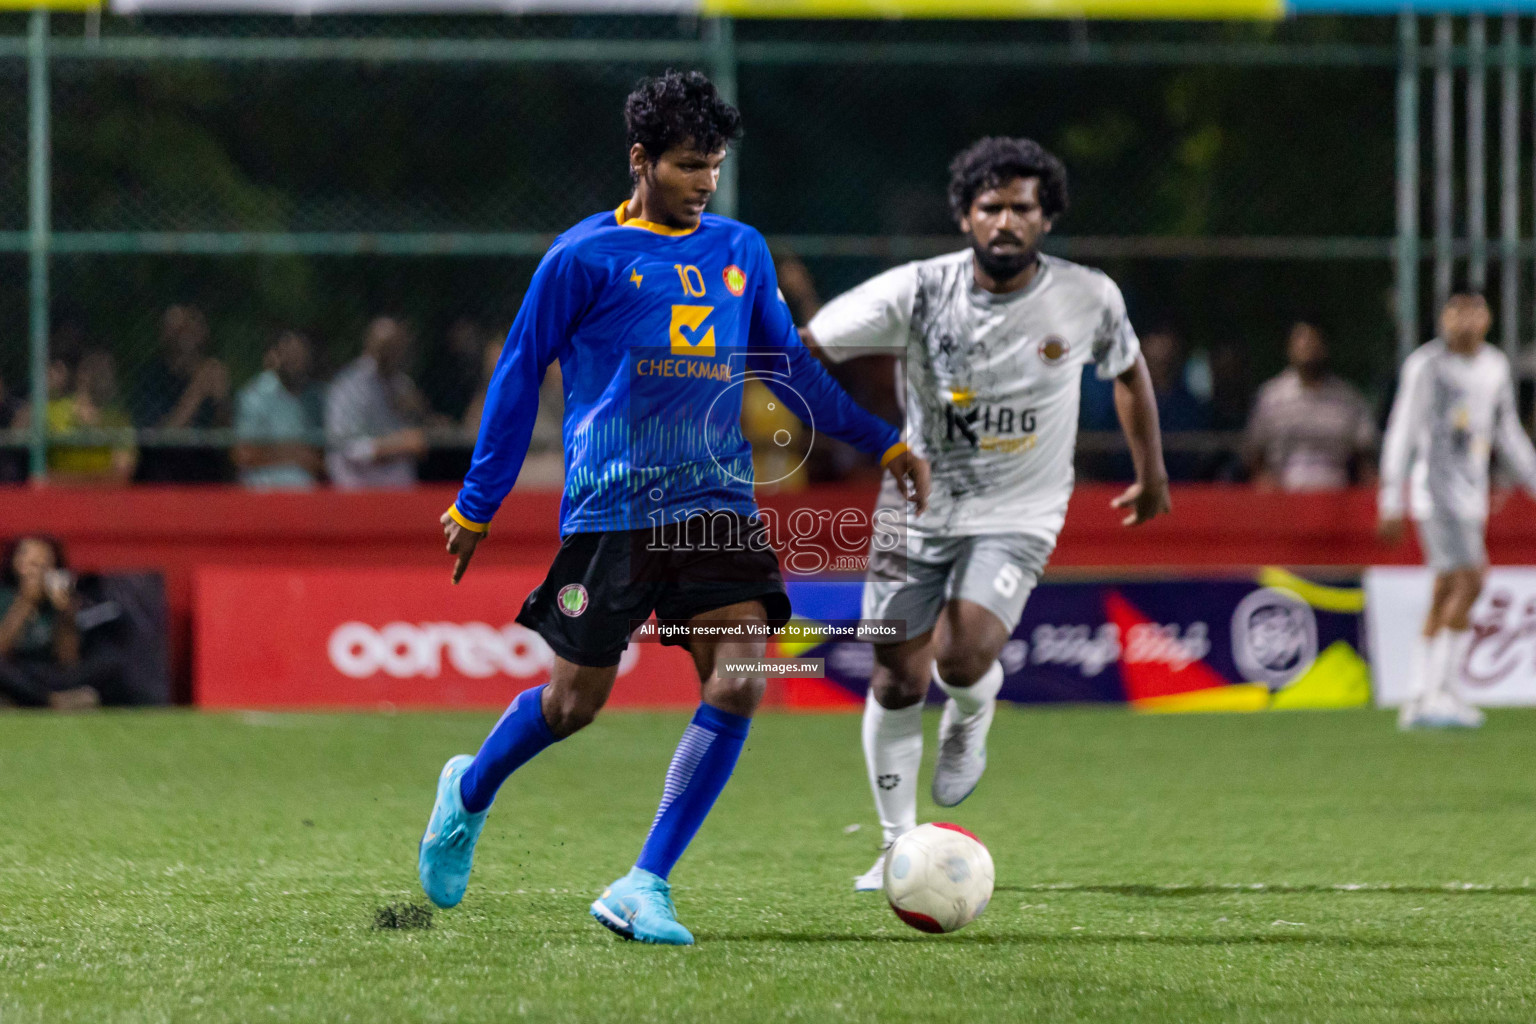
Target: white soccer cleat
{"x":1451,"y":712}
{"x":1408,"y":714}
{"x":872,"y":880}
{"x":1440,"y":711}
{"x":962,"y":752}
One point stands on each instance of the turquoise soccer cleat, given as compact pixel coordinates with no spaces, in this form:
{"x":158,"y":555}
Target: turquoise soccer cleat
{"x":639,"y":906}
{"x":447,"y":848}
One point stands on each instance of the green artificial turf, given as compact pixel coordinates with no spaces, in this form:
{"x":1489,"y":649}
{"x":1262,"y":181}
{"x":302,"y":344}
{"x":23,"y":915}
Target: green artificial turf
{"x":1274,"y":867}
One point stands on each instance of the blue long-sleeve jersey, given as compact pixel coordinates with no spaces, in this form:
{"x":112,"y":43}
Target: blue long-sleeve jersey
{"x":657,"y":330}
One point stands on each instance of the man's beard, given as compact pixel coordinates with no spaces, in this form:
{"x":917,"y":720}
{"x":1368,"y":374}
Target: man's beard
{"x":1004,"y":266}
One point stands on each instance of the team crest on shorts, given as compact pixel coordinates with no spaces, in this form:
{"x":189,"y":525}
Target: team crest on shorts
{"x":572,"y":599}
{"x":1053,"y":350}
{"x":735,"y":280}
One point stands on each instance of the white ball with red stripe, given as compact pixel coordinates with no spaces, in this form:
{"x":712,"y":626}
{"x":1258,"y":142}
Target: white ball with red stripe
{"x":938,"y":877}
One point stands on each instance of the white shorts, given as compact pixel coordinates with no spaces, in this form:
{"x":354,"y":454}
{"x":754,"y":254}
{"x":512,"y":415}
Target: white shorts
{"x":1452,"y":543}
{"x":996,"y":571}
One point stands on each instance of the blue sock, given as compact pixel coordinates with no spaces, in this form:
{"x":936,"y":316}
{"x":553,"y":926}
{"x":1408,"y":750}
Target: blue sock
{"x":514,"y":740}
{"x":700,"y":769}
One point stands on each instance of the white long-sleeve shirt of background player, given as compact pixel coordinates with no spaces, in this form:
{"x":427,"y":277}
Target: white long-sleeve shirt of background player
{"x":1451,"y":411}
{"x":993,"y":382}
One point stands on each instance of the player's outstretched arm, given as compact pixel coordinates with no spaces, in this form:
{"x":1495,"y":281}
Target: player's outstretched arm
{"x":1136,"y":406}
{"x":832,"y":410}
{"x":1397,"y":452}
{"x":556,"y":296}
{"x":1514,"y":446}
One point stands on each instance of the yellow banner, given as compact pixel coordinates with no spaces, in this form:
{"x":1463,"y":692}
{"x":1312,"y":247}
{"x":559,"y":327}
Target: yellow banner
{"x":49,"y":5}
{"x":1202,"y":9}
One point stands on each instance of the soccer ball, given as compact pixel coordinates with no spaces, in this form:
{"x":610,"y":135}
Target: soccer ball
{"x":938,"y":877}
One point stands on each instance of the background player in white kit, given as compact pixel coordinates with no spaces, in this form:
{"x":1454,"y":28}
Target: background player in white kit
{"x":1455,"y":402}
{"x":994,"y":339}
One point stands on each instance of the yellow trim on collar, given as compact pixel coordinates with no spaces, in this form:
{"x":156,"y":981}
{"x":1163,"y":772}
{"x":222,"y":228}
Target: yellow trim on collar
{"x":468,"y":524}
{"x":897,"y":449}
{"x":621,"y":215}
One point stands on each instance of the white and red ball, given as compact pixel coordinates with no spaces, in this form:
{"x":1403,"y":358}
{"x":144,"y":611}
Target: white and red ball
{"x":938,"y":877}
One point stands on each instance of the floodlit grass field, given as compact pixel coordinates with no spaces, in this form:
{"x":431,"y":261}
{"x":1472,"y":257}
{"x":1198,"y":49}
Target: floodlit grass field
{"x":1281,"y":867}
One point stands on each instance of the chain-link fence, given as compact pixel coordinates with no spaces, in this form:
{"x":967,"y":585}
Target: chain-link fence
{"x":312,"y":175}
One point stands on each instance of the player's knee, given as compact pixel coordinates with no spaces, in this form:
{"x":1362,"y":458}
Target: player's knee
{"x":740,"y":695}
{"x":962,"y":666}
{"x":899,"y":684}
{"x":572,"y":710}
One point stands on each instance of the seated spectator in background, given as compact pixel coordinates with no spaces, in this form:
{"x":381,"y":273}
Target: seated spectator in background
{"x":277,"y":416}
{"x":40,"y":662}
{"x":10,"y":406}
{"x":1309,"y":427}
{"x":92,"y":405}
{"x":183,"y":388}
{"x":476,"y":407}
{"x":13,"y":458}
{"x":1179,"y":410}
{"x":451,"y":380}
{"x":373,"y":413}
{"x":544,"y":466}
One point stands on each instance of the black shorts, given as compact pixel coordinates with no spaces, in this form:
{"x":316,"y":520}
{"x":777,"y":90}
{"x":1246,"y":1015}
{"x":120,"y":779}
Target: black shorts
{"x":602,"y":585}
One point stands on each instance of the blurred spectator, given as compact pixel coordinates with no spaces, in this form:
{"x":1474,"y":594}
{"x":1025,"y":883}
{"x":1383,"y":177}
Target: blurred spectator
{"x":10,"y":406}
{"x":1310,"y":427}
{"x":92,"y":405}
{"x":184,"y":388}
{"x":278,"y":415}
{"x":476,"y":407}
{"x":1229,"y":387}
{"x":453,"y":379}
{"x":545,"y":465}
{"x":40,"y":661}
{"x":1230,"y":397}
{"x":1179,"y":410}
{"x":13,"y":459}
{"x":373,"y":413}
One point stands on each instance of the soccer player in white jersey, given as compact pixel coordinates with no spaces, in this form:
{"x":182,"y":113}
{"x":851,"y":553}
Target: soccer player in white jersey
{"x":994,"y":339}
{"x":1455,"y":403}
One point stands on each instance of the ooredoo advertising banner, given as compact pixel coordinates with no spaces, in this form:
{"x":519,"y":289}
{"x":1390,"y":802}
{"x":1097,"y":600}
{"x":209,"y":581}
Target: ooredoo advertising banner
{"x":1500,"y":666}
{"x":284,"y":638}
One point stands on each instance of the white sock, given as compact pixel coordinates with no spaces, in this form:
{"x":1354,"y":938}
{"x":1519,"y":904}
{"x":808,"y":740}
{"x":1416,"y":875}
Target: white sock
{"x":1456,"y":642}
{"x":971,"y":699}
{"x":893,"y":753}
{"x":1436,"y":664}
{"x":1418,"y":669}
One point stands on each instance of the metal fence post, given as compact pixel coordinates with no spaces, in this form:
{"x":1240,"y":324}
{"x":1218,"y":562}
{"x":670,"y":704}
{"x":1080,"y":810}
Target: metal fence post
{"x":1509,"y":188}
{"x":1407,"y":184}
{"x":721,"y":36}
{"x":38,"y":233}
{"x":1444,"y":149}
{"x":1477,"y":173}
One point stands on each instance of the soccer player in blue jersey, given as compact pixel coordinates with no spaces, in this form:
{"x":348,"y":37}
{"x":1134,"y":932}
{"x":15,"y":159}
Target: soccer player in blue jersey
{"x":656,"y":311}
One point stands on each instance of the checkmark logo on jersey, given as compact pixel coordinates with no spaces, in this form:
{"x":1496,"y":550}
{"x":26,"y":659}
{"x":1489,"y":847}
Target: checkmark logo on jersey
{"x":686,"y":337}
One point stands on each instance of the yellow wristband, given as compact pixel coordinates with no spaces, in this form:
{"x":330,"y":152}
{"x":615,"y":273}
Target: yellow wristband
{"x":468,"y":524}
{"x":899,"y":448}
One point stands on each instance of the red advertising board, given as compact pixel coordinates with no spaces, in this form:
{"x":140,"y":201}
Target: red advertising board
{"x":370,"y":638}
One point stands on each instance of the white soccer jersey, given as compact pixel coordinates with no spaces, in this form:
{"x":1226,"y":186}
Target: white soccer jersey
{"x":1451,"y":411}
{"x":993,"y":381}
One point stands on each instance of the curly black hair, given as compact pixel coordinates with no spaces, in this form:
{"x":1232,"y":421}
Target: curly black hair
{"x":678,"y":107}
{"x":994,"y":161}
